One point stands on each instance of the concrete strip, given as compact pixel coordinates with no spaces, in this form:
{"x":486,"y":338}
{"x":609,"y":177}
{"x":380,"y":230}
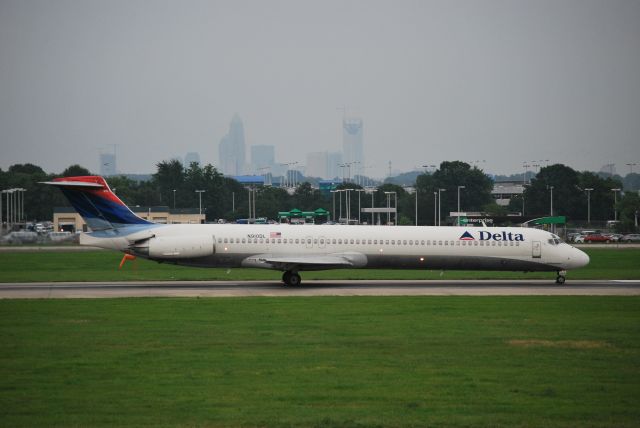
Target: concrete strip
{"x":317,"y":288}
{"x":45,"y":248}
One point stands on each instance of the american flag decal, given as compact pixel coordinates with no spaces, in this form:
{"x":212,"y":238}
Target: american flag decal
{"x":275,"y":235}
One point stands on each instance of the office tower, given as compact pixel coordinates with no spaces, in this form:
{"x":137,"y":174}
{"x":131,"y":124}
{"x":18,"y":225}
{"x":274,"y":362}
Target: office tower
{"x":107,"y":164}
{"x":190,"y":158}
{"x":262,"y":159}
{"x":317,"y":164}
{"x":231,"y":149}
{"x":353,"y":152}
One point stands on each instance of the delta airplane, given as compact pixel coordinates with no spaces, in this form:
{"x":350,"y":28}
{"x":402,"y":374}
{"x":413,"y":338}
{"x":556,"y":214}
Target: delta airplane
{"x":293,"y":249}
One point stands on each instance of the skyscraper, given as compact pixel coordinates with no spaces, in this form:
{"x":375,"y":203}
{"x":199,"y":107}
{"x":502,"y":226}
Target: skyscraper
{"x":190,"y":158}
{"x":353,"y":151}
{"x":231,"y":149}
{"x":107,"y":164}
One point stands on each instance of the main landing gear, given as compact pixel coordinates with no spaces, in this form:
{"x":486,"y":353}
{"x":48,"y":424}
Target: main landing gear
{"x":561,"y":277}
{"x":291,"y":279}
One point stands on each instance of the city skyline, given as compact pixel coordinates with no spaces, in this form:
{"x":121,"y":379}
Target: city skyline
{"x":501,"y":82}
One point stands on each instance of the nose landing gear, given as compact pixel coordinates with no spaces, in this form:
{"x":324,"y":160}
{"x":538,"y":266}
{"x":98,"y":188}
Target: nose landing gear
{"x":291,"y":279}
{"x":561,"y":277}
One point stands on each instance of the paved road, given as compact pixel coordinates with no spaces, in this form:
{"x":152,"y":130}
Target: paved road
{"x":318,"y":288}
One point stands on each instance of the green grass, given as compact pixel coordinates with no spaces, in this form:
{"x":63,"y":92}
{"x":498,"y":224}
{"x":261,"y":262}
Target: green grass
{"x":398,"y":361}
{"x":103,"y":266}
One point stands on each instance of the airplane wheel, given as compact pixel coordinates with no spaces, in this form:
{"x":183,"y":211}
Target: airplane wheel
{"x":294,"y":279}
{"x":286,"y":277}
{"x":560,"y":280}
{"x":291,"y":279}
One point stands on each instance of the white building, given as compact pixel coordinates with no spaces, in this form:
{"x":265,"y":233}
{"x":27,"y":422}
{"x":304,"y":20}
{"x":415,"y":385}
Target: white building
{"x":352,"y":145}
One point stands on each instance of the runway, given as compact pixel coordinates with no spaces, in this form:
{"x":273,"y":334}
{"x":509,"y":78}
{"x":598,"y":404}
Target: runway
{"x":70,"y":290}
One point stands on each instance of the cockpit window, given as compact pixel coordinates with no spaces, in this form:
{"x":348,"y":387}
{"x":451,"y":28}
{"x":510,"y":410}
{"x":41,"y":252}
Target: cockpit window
{"x":555,"y":240}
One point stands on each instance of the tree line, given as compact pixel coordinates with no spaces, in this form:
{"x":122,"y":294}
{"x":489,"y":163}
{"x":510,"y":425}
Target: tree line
{"x":174,"y":185}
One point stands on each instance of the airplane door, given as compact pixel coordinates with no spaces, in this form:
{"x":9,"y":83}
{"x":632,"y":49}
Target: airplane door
{"x":214,"y":244}
{"x":321,"y":242}
{"x":536,"y":249}
{"x":308,"y":242}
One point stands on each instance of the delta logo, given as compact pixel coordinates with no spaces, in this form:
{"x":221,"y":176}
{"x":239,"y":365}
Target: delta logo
{"x":466,"y":236}
{"x":489,"y":236}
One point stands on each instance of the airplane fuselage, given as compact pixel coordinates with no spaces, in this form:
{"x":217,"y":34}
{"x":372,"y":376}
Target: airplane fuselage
{"x":288,"y":247}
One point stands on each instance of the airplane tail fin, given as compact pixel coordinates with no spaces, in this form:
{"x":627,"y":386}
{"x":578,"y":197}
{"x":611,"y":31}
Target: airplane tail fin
{"x":92,"y":198}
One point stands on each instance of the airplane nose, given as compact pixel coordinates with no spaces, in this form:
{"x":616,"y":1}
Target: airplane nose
{"x":581,"y":259}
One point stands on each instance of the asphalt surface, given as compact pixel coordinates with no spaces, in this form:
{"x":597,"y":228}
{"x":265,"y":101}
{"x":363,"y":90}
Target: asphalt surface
{"x":64,"y":290}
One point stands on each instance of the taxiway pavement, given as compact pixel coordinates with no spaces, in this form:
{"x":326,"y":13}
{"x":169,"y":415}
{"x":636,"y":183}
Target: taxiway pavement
{"x":65,"y":290}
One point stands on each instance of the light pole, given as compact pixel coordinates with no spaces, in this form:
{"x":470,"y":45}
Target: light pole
{"x":588,"y":190}
{"x":551,"y":200}
{"x":435,"y":208}
{"x":395,"y":199}
{"x":200,"y":192}
{"x":395,"y":206}
{"x":615,"y":203}
{"x":359,"y":209}
{"x":524,"y":178}
{"x":440,"y":205}
{"x":459,"y":187}
{"x":174,"y":199}
{"x":388,"y":207}
{"x":1,"y":222}
{"x":333,"y":195}
{"x":373,"y":216}
{"x":416,"y":204}
{"x":347,"y":204}
{"x":10,"y":211}
{"x":22,"y":217}
{"x":6,"y":192}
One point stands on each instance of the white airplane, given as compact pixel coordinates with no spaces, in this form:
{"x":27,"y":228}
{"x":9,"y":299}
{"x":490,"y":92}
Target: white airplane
{"x":293,"y":249}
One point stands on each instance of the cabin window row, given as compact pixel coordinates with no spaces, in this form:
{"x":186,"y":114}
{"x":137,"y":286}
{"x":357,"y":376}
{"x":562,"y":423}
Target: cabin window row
{"x":338,"y":241}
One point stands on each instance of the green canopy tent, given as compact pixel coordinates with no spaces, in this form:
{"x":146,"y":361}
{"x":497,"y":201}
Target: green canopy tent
{"x":307,"y":215}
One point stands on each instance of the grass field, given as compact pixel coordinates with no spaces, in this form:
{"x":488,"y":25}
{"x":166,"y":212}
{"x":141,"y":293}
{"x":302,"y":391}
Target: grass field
{"x":345,"y":362}
{"x":103,"y":266}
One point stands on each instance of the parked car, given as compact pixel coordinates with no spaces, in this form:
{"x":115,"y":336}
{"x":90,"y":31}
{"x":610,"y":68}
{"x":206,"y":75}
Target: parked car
{"x":632,"y":237}
{"x":597,"y":237}
{"x":572,"y":236}
{"x":615,"y":237}
{"x":579,"y":239}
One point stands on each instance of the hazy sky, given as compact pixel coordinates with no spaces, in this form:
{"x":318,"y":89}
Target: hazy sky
{"x":505,"y":81}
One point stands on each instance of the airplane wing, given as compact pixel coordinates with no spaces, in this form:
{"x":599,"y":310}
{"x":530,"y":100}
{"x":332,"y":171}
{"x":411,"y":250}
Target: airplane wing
{"x":306,"y":262}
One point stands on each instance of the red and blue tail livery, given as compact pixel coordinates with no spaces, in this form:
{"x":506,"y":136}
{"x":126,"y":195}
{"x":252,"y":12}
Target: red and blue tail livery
{"x":92,"y":198}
